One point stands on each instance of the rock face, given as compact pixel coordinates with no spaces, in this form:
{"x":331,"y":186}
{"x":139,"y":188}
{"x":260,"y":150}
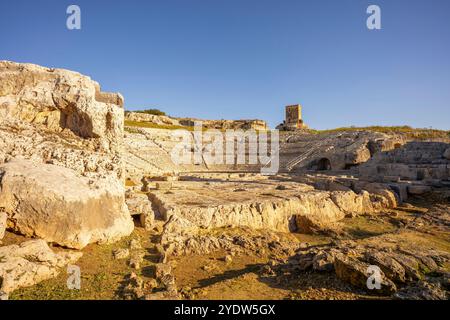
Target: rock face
{"x":138,"y":204}
{"x":190,"y":122}
{"x":297,"y":207}
{"x":60,"y":100}
{"x":62,"y":119}
{"x":421,"y":163}
{"x":120,"y":254}
{"x":144,"y":117}
{"x":52,"y":203}
{"x":29,"y":263}
{"x":331,"y":151}
{"x":3,"y":218}
{"x":398,"y":266}
{"x":355,"y":272}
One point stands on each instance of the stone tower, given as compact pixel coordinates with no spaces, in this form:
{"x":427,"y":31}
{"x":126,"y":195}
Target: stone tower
{"x":294,"y":117}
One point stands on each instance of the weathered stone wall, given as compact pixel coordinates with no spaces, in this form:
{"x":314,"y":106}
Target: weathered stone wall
{"x":341,"y":149}
{"x":424,"y":163}
{"x":148,"y":152}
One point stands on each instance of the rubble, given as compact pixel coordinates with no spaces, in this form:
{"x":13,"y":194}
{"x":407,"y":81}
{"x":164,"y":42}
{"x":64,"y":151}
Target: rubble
{"x":136,"y":259}
{"x":400,"y":268}
{"x":120,"y":254}
{"x":133,"y":288}
{"x":29,"y":263}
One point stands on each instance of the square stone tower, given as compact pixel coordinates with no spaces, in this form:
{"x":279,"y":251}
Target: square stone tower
{"x":294,"y":117}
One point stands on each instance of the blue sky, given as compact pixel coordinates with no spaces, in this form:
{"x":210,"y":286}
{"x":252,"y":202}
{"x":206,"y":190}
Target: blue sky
{"x":236,"y":59}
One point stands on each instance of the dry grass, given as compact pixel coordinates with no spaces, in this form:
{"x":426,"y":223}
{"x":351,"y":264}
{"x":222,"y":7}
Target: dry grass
{"x":101,"y":276}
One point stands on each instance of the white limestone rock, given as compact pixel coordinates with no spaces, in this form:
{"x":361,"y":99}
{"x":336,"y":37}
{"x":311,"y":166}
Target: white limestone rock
{"x":29,"y":263}
{"x":55,"y":204}
{"x":72,"y":132}
{"x":3,"y":218}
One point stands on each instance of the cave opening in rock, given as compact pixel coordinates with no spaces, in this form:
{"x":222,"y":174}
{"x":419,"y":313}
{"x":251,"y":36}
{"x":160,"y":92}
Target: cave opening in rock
{"x":323,"y":164}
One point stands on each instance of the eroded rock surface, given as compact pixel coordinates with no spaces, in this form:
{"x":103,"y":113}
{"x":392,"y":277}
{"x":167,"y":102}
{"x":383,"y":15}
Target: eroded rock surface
{"x":264,"y":205}
{"x":332,"y":151}
{"x":155,"y":119}
{"x":420,"y":163}
{"x":3,"y":218}
{"x":401,"y":269}
{"x":29,"y":263}
{"x":59,"y":100}
{"x":72,"y":132}
{"x":54,"y":204}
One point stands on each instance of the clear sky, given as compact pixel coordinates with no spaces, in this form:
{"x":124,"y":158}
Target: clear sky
{"x":237,"y":59}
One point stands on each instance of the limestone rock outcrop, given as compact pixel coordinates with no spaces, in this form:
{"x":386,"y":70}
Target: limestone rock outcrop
{"x":190,"y":122}
{"x":417,"y":163}
{"x":59,"y":100}
{"x":332,"y":151}
{"x":61,"y":119}
{"x":156,"y":119}
{"x":398,"y":267}
{"x":29,"y":263}
{"x":138,"y":204}
{"x":353,"y":271}
{"x":297,"y":207}
{"x":52,"y":203}
{"x":3,"y":218}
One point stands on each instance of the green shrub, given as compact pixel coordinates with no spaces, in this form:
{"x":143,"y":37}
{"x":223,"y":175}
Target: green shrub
{"x":155,"y":112}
